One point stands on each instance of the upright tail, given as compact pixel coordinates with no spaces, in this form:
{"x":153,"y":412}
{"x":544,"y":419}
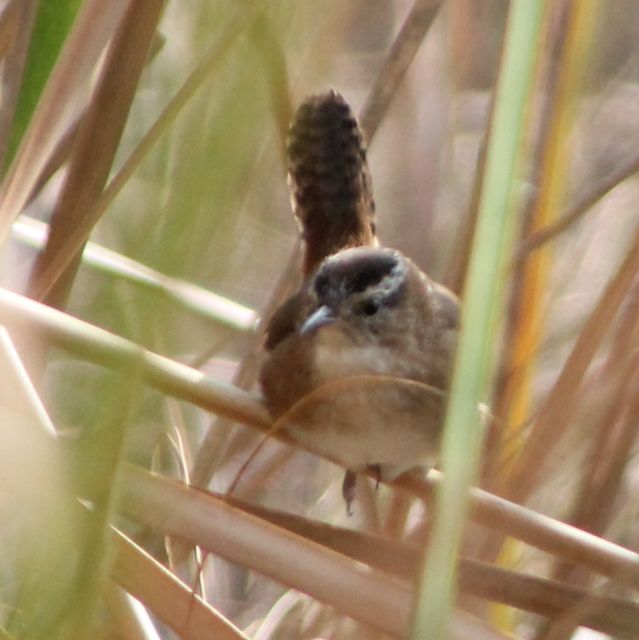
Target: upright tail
{"x":329,"y":179}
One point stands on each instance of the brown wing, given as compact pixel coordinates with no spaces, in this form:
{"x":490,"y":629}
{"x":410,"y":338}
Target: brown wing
{"x":285,"y":320}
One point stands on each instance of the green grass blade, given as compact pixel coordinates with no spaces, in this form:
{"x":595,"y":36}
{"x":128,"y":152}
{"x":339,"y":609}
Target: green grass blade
{"x":462,"y":435}
{"x":51,"y":27}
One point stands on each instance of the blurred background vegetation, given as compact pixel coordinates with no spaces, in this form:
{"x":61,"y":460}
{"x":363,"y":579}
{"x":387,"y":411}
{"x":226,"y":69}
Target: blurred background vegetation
{"x":155,"y":130}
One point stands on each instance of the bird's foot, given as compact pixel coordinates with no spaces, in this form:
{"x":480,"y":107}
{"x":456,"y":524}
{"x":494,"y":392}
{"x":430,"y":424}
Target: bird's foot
{"x":349,"y":484}
{"x":376,"y":471}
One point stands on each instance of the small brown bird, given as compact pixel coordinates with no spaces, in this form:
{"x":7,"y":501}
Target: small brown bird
{"x":360,"y":357}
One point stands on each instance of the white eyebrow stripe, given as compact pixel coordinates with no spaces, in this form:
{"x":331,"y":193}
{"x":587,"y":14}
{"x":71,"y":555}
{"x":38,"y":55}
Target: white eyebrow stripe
{"x":392,"y":280}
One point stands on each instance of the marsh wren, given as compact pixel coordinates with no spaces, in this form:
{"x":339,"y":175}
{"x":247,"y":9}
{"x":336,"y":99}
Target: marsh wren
{"x":359,"y":359}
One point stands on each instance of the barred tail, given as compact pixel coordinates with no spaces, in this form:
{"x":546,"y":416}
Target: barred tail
{"x":329,"y":179}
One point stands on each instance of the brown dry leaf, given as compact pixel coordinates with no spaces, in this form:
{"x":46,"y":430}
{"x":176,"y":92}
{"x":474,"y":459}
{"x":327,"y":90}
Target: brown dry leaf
{"x":94,"y":149}
{"x":61,"y":101}
{"x":362,"y":593}
{"x":16,"y":25}
{"x":170,"y":600}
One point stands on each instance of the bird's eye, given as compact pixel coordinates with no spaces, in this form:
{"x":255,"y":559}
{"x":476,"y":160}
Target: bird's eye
{"x":369,"y":307}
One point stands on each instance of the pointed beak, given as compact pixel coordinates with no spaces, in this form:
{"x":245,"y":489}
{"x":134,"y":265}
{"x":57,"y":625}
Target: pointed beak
{"x":322,"y":316}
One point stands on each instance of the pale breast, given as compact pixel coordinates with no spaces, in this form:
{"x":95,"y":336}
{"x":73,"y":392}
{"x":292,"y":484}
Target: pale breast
{"x":370,"y":420}
{"x":336,"y":356}
{"x":334,"y":363}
